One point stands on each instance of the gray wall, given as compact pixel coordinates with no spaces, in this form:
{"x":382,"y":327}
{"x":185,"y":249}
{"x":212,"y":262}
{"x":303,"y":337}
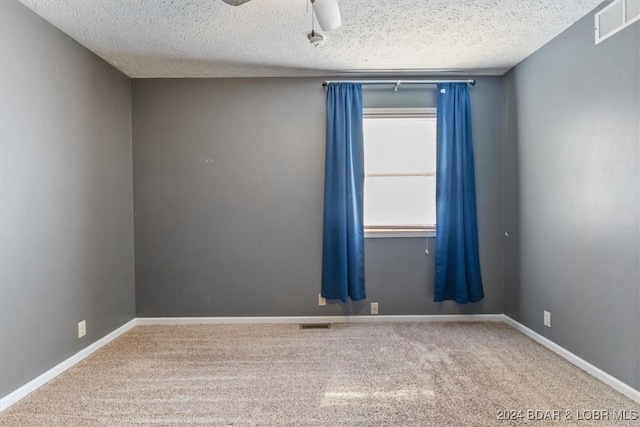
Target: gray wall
{"x":228,"y":183}
{"x":511,"y":197}
{"x":67,"y":202}
{"x":572,"y":127}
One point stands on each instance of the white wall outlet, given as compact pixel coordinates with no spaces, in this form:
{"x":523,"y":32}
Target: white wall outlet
{"x":547,"y":319}
{"x":321,"y":300}
{"x":374,"y":308}
{"x":82,"y":328}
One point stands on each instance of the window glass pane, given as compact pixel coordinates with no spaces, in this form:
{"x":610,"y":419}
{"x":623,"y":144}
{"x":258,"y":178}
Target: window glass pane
{"x":400,"y":201}
{"x":399,"y":145}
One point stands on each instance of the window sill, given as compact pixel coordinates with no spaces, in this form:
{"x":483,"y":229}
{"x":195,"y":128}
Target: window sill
{"x":392,"y":233}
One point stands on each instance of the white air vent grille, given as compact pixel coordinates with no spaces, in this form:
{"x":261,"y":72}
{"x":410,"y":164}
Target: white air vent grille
{"x":633,"y":10}
{"x":616,"y":17}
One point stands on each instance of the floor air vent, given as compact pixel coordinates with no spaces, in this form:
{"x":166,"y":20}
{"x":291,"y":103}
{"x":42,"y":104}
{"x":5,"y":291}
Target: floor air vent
{"x":314,"y":326}
{"x":616,"y":17}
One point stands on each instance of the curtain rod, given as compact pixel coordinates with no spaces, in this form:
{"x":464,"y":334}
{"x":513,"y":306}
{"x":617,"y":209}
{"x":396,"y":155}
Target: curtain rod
{"x":398,"y":82}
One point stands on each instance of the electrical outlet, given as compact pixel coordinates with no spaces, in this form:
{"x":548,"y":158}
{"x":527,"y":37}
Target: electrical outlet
{"x":321,"y":300}
{"x":82,"y":328}
{"x":547,"y":319}
{"x":374,"y":308}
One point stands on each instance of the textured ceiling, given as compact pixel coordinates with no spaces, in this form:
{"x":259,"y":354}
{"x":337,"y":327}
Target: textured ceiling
{"x":208,"y":38}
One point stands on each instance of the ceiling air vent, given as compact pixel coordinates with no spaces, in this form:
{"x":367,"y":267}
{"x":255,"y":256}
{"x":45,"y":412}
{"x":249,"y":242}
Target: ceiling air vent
{"x":615,"y":17}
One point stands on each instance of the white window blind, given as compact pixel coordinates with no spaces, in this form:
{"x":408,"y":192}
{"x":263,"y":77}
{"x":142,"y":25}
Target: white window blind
{"x":400,"y":167}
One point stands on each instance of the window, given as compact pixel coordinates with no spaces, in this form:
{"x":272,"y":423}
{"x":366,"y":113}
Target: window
{"x":400,"y":172}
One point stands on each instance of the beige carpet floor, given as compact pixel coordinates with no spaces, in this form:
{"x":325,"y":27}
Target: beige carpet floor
{"x":418,"y":374}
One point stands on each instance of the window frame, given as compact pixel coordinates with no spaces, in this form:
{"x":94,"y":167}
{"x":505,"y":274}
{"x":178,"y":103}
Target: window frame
{"x":399,"y":231}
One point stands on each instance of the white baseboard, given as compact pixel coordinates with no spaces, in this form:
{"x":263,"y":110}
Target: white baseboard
{"x":318,"y":319}
{"x":32,"y":385}
{"x":611,"y":381}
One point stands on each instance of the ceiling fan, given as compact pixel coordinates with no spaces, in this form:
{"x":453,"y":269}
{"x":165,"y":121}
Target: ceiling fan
{"x":327,"y":12}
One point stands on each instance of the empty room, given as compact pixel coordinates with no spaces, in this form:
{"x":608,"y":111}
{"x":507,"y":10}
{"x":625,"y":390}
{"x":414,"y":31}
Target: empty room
{"x":319,"y":212}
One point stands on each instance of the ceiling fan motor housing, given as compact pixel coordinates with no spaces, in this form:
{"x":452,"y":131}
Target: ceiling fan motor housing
{"x":317,"y":39}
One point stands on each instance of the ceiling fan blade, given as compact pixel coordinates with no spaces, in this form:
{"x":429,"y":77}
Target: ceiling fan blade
{"x":235,"y":2}
{"x":328,"y":14}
